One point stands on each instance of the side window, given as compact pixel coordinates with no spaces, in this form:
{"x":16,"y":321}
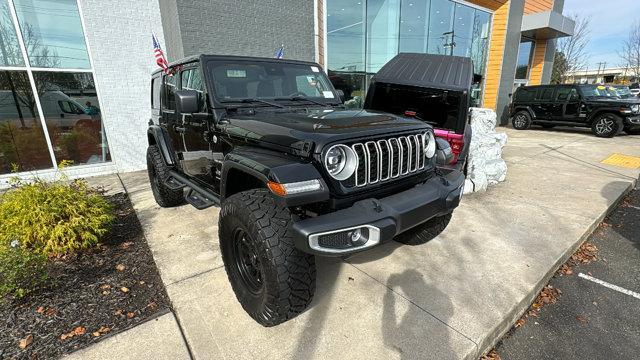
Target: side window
{"x":524,"y":94}
{"x":169,"y":92}
{"x":573,"y":95}
{"x":563,"y":93}
{"x":546,"y":94}
{"x":191,"y":79}
{"x":155,"y":92}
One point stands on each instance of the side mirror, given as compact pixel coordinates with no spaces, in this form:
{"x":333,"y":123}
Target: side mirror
{"x":340,"y":94}
{"x":444,"y":155}
{"x":187,"y":101}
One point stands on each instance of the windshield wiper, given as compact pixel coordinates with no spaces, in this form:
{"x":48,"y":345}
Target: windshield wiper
{"x":249,"y":100}
{"x":303,"y":98}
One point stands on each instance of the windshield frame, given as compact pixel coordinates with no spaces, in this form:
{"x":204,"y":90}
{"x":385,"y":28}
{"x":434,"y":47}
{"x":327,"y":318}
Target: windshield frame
{"x":218,"y":102}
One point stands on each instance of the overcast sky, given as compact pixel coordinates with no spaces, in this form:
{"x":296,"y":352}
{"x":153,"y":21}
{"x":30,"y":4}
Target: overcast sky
{"x":610,"y":23}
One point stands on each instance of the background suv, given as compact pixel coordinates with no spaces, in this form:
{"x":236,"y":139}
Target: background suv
{"x":596,"y":106}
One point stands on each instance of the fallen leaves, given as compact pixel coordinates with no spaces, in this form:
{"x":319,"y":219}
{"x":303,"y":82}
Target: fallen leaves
{"x":586,"y":254}
{"x":124,"y":289}
{"x":103,"y":330}
{"x":131,"y":315}
{"x":78,"y":331}
{"x":25,"y":342}
{"x":120,"y":267}
{"x":46,"y":311}
{"x":548,"y":295}
{"x":491,"y":355}
{"x":126,"y":245}
{"x":582,"y":319}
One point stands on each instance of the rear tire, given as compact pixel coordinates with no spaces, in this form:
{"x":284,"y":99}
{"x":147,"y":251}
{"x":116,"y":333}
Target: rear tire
{"x":521,"y":120}
{"x":606,"y":125}
{"x":158,"y":173}
{"x":426,"y":232}
{"x":272,"y":279}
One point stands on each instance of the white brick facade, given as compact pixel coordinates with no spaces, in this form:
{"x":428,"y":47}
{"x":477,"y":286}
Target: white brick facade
{"x":119,"y":40}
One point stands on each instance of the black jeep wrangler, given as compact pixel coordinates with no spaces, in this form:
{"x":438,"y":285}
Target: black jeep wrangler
{"x":596,"y":106}
{"x":295,"y":174}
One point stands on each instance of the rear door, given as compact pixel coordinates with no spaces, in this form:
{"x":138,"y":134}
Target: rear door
{"x":573,"y":106}
{"x":558,"y":109}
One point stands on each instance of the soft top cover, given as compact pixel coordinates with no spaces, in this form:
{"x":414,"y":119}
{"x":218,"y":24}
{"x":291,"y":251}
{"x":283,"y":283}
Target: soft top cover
{"x":428,"y":71}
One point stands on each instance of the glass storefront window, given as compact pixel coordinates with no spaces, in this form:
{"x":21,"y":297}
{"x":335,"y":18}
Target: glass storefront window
{"x":52,"y":33}
{"x":383,"y":17}
{"x":525,"y":53}
{"x":463,"y":30}
{"x":414,"y":17}
{"x":363,"y":35}
{"x":345,"y":35}
{"x":73,"y":117}
{"x":23,"y":146}
{"x":441,"y":27}
{"x":480,"y":40}
{"x":10,"y":54}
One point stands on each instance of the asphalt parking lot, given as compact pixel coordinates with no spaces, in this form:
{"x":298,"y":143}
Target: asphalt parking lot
{"x":597,"y":313}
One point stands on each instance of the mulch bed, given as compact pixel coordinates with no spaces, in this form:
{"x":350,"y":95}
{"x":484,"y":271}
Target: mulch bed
{"x":91,"y":295}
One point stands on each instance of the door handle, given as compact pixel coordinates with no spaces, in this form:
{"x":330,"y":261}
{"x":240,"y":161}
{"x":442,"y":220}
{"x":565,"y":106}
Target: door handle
{"x":179,"y":129}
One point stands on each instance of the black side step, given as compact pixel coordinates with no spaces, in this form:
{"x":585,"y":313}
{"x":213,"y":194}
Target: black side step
{"x":198,"y":196}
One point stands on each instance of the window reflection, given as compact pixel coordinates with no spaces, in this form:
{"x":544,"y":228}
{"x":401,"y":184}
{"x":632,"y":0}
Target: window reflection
{"x":525,"y":54}
{"x":440,"y":27}
{"x":72,"y":113}
{"x":345,"y":35}
{"x":463,"y":30}
{"x":414,"y":17}
{"x":52,"y":33}
{"x":382,"y":32}
{"x":480,"y":40}
{"x":353,"y":86}
{"x":22,"y":142}
{"x":10,"y":54}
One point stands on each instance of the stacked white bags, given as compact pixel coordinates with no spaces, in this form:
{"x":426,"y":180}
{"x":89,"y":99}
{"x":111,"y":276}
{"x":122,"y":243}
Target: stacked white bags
{"x":485,"y":165}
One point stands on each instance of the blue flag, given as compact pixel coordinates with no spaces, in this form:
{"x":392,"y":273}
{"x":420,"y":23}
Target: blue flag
{"x":280,"y":53}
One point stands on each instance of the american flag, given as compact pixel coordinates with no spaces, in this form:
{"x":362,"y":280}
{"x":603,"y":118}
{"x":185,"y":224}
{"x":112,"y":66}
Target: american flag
{"x":160,"y":59}
{"x":279,"y":53}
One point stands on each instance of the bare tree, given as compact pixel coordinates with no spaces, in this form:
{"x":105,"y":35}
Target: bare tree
{"x":630,"y":52}
{"x":574,"y":48}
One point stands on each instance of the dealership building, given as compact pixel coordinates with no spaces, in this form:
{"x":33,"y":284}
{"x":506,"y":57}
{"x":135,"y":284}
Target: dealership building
{"x":75,"y":74}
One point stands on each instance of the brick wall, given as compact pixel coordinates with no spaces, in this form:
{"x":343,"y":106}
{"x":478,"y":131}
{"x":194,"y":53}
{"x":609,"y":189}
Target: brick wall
{"x":119,"y":39}
{"x":252,"y":28}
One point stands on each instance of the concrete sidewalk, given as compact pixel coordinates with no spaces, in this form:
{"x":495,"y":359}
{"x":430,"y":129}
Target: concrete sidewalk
{"x":450,"y":298}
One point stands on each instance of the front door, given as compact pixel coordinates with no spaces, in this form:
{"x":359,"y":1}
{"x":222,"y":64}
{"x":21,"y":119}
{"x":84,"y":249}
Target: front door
{"x":168,"y":116}
{"x":573,"y":107}
{"x":195,"y":128}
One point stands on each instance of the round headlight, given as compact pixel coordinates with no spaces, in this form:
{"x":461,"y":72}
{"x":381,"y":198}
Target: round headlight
{"x":340,"y":162}
{"x":429,"y":144}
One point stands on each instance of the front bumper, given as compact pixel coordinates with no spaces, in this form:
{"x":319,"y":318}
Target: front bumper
{"x":391,"y":215}
{"x":633,"y":120}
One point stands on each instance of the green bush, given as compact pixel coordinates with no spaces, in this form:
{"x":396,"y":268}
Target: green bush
{"x":53,"y":218}
{"x":21,"y":271}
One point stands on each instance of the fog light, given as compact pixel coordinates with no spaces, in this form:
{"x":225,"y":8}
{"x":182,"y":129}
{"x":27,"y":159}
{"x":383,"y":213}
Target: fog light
{"x":355,"y":235}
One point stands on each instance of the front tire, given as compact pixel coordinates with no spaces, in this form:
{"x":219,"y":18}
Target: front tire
{"x":272,"y":279}
{"x":158,"y":173}
{"x":521,"y":120}
{"x":425,"y":232}
{"x":606,"y":125}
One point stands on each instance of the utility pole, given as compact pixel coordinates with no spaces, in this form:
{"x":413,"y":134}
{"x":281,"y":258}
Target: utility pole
{"x":604,"y":66}
{"x":452,"y":43}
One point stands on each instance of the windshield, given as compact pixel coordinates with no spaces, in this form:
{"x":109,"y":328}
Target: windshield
{"x":241,"y":80}
{"x":623,"y":91}
{"x":598,"y":91}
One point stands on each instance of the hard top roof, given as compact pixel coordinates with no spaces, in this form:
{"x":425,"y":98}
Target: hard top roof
{"x":428,"y":70}
{"x":205,"y":57}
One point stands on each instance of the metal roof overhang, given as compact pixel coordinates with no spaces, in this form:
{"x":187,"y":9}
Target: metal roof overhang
{"x":547,"y":25}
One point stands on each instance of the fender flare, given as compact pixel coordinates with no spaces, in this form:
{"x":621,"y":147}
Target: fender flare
{"x":517,"y":109}
{"x":157,"y":136}
{"x":266,"y":165}
{"x":598,"y":112}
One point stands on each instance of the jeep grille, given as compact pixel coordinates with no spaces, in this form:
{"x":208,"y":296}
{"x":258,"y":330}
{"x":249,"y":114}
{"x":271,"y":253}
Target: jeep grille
{"x":381,"y":160}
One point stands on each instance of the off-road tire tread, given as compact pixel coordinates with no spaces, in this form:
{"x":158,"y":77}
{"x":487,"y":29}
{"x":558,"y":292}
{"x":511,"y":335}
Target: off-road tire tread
{"x":426,"y":232}
{"x":270,"y":224}
{"x":164,"y":196}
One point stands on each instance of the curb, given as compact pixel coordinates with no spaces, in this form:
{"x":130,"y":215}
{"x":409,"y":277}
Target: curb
{"x":519,"y":309}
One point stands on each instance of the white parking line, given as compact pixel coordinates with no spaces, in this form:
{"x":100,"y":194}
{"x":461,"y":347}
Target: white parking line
{"x":610,"y":286}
